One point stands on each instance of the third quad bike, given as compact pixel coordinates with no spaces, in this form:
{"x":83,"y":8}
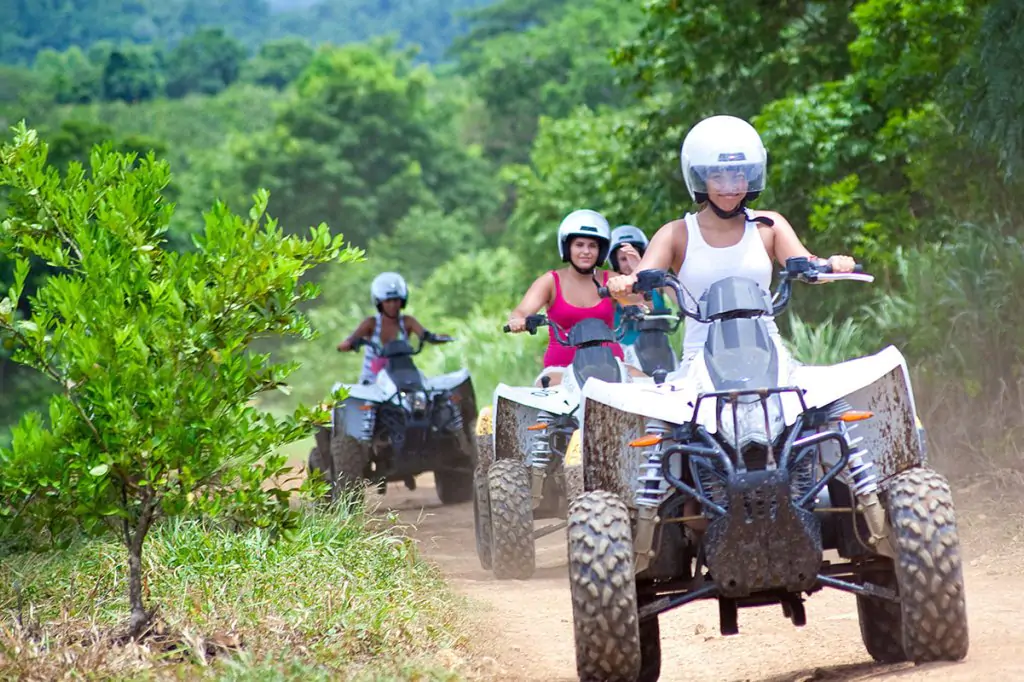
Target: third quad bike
{"x":731,"y":478}
{"x":402,"y":425}
{"x":523,"y":475}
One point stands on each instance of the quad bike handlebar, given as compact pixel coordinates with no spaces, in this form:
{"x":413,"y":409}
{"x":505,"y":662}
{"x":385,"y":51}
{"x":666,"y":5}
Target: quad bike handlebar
{"x":798,"y":268}
{"x":534,"y":322}
{"x":428,"y":337}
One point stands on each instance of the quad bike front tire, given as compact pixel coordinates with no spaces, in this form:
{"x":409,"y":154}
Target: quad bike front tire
{"x":482,"y":517}
{"x":351,"y":458}
{"x":612,"y":645}
{"x":316,"y":466}
{"x":513,"y":555}
{"x":930,"y":623}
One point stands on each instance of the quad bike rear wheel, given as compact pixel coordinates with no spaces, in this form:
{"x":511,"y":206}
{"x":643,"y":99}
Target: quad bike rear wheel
{"x":930,"y":623}
{"x":513,"y":553}
{"x":481,"y":492}
{"x":482,"y":517}
{"x":612,"y":644}
{"x":881,"y":627}
{"x":455,"y":485}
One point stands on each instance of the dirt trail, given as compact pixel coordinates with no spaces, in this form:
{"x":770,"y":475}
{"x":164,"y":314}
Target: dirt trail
{"x":526,"y":626}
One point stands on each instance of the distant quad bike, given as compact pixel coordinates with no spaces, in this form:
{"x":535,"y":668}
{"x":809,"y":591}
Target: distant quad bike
{"x":522,"y":473}
{"x":729,"y":483}
{"x":400,"y":426}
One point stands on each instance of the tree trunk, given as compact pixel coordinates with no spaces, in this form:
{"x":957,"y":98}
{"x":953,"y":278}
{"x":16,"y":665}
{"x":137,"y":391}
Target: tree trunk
{"x":140,"y":618}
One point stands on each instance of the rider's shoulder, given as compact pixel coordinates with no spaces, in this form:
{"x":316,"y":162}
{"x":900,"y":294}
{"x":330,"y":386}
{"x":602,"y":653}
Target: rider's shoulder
{"x":775,"y":216}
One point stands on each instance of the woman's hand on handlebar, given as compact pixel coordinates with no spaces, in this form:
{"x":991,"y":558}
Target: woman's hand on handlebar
{"x":621,"y":287}
{"x":842,"y":263}
{"x":516,"y":324}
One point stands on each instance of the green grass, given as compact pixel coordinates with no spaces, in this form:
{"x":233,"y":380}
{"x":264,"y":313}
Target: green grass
{"x":346,"y":598}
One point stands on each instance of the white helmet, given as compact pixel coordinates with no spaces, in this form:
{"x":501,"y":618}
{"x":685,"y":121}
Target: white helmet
{"x":723,"y":143}
{"x":626,"y":234}
{"x":388,"y":285}
{"x":584,"y":223}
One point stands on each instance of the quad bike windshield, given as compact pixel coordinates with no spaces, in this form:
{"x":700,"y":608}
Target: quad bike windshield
{"x":592,"y":357}
{"x":652,"y":346}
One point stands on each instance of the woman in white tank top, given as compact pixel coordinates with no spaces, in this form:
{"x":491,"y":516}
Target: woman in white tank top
{"x":724,"y":165}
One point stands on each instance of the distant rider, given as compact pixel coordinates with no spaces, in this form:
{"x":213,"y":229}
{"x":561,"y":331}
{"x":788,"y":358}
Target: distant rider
{"x":570,"y":293}
{"x":389,"y":294}
{"x":629,"y":244}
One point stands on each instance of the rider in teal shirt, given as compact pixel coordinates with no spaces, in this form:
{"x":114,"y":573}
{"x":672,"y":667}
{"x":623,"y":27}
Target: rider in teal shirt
{"x":627,"y":248}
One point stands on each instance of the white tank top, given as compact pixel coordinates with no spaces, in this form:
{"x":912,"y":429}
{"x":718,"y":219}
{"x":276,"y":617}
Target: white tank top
{"x":703,"y":265}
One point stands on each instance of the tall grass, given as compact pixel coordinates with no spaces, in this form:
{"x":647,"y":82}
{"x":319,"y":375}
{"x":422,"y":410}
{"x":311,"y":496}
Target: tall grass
{"x":339,"y":600}
{"x":958,"y":318}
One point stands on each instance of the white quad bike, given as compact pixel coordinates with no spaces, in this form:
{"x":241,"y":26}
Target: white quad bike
{"x":401,"y":425}
{"x":730,"y":480}
{"x":522,"y":472}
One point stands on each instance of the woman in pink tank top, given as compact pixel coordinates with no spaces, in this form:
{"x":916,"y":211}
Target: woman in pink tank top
{"x":570,"y":294}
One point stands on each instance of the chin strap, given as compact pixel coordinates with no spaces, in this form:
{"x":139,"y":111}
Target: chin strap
{"x":725,"y":215}
{"x":742,"y":208}
{"x":584,"y":272}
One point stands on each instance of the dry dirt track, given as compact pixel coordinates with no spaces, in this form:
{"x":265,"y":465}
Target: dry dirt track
{"x":526,"y":626}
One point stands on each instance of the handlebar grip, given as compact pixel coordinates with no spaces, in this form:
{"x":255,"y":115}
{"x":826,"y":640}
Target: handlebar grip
{"x":506,"y":329}
{"x":826,"y":268}
{"x":603,"y":292}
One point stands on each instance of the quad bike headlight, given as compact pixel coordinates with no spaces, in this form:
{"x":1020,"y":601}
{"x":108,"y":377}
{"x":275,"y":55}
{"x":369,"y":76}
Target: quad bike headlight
{"x":414,"y":401}
{"x":750,"y":422}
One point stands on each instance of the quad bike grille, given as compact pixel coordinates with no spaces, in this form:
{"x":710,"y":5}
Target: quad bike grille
{"x":393,"y":420}
{"x":802,"y":475}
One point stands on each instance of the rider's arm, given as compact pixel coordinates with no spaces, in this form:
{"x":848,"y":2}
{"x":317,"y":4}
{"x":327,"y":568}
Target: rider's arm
{"x":663,"y":253}
{"x":785,"y":245}
{"x":414,"y":327}
{"x":363,"y":331}
{"x":537,"y":296}
{"x":785,"y":242}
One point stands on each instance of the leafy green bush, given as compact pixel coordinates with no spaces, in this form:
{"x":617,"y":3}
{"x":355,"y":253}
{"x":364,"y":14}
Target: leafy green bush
{"x":150,"y":351}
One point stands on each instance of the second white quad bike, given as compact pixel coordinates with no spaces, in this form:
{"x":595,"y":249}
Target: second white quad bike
{"x":732,"y":478}
{"x":524,"y":475}
{"x":401,"y":425}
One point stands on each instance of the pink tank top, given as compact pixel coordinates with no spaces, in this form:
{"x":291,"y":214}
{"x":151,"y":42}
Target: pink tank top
{"x":565,"y":315}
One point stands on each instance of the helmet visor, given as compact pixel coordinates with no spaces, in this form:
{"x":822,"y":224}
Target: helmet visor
{"x":728,"y":178}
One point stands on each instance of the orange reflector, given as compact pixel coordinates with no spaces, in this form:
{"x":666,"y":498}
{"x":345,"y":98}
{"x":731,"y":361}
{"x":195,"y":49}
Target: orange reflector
{"x":537,"y":427}
{"x":856,"y":416}
{"x":645,"y":441}
{"x":366,"y":408}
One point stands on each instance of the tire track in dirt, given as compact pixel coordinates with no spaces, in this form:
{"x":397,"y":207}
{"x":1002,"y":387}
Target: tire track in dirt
{"x":526,"y":625}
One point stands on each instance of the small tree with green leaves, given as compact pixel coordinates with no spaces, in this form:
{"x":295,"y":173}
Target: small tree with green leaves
{"x":149,"y":350}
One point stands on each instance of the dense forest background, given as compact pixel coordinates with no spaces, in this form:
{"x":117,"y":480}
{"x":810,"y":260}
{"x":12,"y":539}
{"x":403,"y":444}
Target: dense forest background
{"x":449,"y":137}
